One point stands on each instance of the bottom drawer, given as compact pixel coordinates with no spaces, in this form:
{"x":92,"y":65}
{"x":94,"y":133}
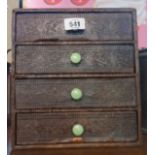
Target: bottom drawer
{"x":76,"y":127}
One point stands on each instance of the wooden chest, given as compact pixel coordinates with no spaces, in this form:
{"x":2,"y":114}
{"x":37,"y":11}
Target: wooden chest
{"x":77,"y":88}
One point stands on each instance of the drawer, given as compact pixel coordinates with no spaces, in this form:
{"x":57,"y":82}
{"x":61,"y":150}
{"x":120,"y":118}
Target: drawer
{"x":74,"y":58}
{"x":75,"y":93}
{"x":48,"y":25}
{"x":75,"y":127}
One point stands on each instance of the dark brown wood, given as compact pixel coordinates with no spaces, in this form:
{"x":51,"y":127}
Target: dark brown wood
{"x":43,"y":128}
{"x":136,"y":150}
{"x":97,"y":92}
{"x":48,"y":25}
{"x":43,"y":78}
{"x":74,"y":75}
{"x":56,"y":58}
{"x":137,"y":70}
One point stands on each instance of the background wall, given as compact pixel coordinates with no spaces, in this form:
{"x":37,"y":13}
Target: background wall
{"x":11,"y":5}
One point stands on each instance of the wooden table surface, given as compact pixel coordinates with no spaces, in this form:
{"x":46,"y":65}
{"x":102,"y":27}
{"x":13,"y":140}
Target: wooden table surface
{"x":140,"y":150}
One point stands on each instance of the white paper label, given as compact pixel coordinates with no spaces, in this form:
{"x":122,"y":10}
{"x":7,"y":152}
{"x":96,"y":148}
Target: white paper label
{"x":74,"y":24}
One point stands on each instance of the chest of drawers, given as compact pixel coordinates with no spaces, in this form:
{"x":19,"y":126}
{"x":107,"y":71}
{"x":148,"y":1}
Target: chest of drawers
{"x":76,"y":88}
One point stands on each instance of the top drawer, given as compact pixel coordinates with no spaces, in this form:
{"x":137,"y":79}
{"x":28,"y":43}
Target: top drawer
{"x":48,"y":25}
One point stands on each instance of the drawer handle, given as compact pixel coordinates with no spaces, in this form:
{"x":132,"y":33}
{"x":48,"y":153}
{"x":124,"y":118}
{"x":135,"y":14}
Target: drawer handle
{"x":75,"y":58}
{"x":78,"y":130}
{"x":76,"y":94}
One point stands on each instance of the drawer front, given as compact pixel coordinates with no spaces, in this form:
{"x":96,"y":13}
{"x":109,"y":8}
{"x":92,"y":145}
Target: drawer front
{"x":56,"y":93}
{"x":49,"y":25}
{"x":57,"y":58}
{"x":51,"y":128}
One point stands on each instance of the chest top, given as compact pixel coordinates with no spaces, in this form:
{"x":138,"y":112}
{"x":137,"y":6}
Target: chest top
{"x":53,"y":25}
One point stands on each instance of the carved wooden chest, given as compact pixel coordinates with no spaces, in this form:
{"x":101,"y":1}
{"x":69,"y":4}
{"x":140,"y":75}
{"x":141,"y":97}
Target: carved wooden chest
{"x":73,"y":85}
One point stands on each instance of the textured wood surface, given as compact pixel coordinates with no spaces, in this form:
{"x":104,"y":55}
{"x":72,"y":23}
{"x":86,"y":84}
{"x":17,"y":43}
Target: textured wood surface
{"x":39,"y":50}
{"x":43,"y":128}
{"x":56,"y":93}
{"x":138,"y":150}
{"x":56,"y":58}
{"x":49,"y":25}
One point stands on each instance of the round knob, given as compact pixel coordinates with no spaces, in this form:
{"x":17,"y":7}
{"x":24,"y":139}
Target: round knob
{"x":75,"y":58}
{"x":78,"y":130}
{"x":76,"y":94}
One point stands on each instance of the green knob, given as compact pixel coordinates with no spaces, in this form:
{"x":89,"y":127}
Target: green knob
{"x":75,"y":58}
{"x":78,"y":130}
{"x":76,"y":94}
